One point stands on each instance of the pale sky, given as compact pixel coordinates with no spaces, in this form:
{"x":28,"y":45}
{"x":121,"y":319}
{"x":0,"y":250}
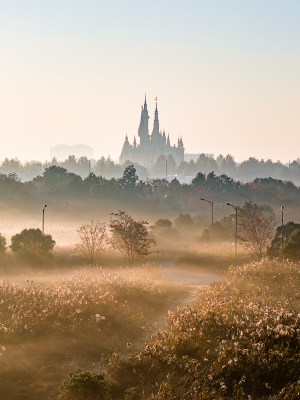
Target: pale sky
{"x":226,"y":74}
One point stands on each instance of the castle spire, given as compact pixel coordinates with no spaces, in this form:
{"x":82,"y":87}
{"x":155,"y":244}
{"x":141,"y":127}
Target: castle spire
{"x":168,"y":141}
{"x":143,"y":131}
{"x":155,"y":132}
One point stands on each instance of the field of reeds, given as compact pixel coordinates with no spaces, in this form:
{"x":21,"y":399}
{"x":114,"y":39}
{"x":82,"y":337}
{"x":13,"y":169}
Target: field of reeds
{"x":240,"y":340}
{"x":57,"y":323}
{"x":131,"y":334}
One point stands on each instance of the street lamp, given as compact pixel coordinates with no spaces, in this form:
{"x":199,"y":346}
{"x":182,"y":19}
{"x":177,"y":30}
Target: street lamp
{"x":212,"y":212}
{"x":236,"y":224}
{"x":282,"y":208}
{"x":43,"y":220}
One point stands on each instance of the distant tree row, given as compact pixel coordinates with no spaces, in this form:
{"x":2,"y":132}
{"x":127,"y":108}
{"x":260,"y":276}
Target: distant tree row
{"x":64,"y":190}
{"x":108,"y":169}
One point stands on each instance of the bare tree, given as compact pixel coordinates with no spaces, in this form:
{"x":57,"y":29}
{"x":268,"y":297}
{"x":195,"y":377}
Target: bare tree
{"x":255,"y":229}
{"x":130,"y":237}
{"x":93,"y":238}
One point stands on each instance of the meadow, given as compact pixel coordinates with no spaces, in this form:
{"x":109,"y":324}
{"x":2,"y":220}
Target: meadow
{"x":62,"y":321}
{"x":152,"y":331}
{"x":239,"y":340}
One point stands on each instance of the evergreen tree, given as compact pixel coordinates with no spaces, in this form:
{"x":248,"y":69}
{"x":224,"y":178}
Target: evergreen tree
{"x":129,"y":178}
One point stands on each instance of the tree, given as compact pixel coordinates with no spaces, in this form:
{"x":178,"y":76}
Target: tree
{"x":221,"y":230}
{"x":93,"y":239}
{"x":130,"y":237}
{"x":255,"y":228}
{"x":32,"y":244}
{"x":288,"y":229}
{"x":184,"y":221}
{"x":291,"y":247}
{"x":2,"y":245}
{"x":163,"y":224}
{"x":199,"y":180}
{"x":129,"y":178}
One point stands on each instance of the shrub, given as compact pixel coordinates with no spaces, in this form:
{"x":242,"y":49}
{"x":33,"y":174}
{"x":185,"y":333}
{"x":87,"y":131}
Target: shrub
{"x":2,"y":244}
{"x":288,"y":229}
{"x":85,"y":385}
{"x":291,"y":247}
{"x":32,"y":245}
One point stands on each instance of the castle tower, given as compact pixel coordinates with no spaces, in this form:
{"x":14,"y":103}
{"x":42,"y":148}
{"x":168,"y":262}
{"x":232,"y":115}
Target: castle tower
{"x":164,"y":138}
{"x":168,"y":141}
{"x":155,"y":132}
{"x":143,"y":131}
{"x":126,"y":151}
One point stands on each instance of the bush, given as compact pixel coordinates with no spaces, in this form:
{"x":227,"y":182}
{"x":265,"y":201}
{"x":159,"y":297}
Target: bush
{"x":288,"y":229}
{"x":85,"y":385}
{"x":32,"y":245}
{"x":291,"y":247}
{"x":2,"y":245}
{"x":184,"y":221}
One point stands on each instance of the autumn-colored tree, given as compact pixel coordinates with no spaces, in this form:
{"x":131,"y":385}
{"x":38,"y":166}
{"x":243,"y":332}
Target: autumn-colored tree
{"x":255,"y":228}
{"x":130,"y":237}
{"x":93,"y":239}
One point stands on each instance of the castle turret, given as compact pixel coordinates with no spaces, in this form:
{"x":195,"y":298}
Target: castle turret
{"x":126,"y":151}
{"x":143,"y":131}
{"x":155,"y":132}
{"x":164,"y":138}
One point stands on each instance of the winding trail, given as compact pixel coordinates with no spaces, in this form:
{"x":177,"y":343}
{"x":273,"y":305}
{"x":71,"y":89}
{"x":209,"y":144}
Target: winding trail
{"x":190,"y":276}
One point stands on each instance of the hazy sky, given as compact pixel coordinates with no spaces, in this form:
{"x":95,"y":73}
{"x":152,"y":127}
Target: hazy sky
{"x":226,"y":74}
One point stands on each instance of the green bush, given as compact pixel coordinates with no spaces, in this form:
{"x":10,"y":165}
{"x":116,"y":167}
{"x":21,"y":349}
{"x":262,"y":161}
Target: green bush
{"x":85,"y":385}
{"x":288,"y":229}
{"x":2,"y":244}
{"x":291,"y":247}
{"x":32,"y":245}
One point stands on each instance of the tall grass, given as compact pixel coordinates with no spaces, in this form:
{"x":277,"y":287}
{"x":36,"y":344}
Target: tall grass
{"x":240,"y":340}
{"x":54,"y":324}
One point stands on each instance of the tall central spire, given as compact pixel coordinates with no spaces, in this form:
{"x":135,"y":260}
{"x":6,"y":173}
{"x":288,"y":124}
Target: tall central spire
{"x":155,"y":131}
{"x":143,"y":131}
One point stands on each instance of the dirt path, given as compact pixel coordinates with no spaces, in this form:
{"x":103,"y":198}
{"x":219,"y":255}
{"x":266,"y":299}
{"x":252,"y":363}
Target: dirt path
{"x":190,"y":276}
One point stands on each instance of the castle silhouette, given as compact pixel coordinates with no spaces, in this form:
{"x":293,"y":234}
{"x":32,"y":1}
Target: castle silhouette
{"x":151,"y":146}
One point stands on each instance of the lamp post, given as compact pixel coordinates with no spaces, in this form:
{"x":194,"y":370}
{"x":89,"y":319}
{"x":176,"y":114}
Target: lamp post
{"x":236,"y":224}
{"x":282,"y":208}
{"x":43,"y":220}
{"x":212,"y":211}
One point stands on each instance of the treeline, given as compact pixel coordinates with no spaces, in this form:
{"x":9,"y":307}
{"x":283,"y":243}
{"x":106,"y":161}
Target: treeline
{"x":69,"y":192}
{"x":246,"y":171}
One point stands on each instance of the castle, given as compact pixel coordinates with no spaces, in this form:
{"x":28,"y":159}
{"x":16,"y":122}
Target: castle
{"x":151,"y":146}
